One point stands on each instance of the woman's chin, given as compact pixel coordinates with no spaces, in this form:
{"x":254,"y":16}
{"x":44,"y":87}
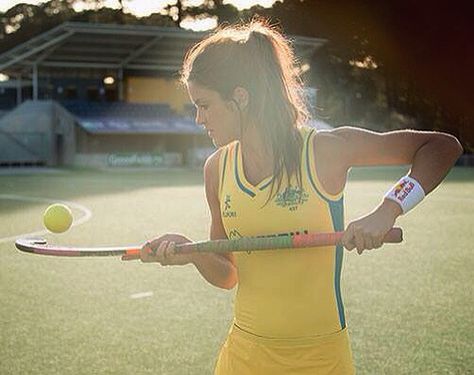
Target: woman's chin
{"x":218,"y":141}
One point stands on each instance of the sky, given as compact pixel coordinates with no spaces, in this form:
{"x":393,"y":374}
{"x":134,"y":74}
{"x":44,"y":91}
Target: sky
{"x":145,"y":7}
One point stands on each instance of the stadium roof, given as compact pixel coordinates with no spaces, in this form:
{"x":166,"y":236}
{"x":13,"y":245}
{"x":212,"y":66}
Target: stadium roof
{"x":106,"y":46}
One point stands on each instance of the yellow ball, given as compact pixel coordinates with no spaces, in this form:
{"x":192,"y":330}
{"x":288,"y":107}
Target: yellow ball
{"x":57,"y":218}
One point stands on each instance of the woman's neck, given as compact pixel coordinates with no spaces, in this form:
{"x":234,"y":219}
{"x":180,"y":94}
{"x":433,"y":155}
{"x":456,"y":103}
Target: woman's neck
{"x":256,"y":155}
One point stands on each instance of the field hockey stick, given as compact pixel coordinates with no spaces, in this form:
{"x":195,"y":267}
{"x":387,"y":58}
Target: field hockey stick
{"x":40,"y":246}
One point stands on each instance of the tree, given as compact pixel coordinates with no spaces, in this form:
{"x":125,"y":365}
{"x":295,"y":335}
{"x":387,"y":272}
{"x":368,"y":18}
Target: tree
{"x":422,"y":51}
{"x":23,"y":21}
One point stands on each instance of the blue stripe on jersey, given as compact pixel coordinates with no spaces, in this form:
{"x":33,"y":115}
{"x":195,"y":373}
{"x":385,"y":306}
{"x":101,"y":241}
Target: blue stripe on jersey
{"x":236,"y":172}
{"x":337,"y":215}
{"x":223,"y":169}
{"x":268,"y":183}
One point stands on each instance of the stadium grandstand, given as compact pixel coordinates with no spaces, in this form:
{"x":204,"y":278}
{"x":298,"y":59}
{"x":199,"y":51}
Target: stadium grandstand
{"x":103,"y":95}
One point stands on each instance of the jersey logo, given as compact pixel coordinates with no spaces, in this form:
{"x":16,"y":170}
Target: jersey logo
{"x":234,"y":234}
{"x":292,"y":198}
{"x":228,"y":212}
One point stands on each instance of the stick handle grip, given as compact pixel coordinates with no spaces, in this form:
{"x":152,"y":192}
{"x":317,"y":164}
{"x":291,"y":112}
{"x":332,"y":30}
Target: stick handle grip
{"x":394,"y":235}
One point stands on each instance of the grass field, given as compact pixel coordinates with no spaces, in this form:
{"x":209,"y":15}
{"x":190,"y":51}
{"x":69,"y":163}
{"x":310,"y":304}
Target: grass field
{"x":409,"y":307}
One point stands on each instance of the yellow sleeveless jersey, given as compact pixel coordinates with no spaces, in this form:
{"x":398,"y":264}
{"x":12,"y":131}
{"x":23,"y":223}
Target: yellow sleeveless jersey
{"x":283,"y":293}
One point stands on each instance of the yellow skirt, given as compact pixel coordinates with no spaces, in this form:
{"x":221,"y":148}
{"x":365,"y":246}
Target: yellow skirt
{"x":246,"y":354}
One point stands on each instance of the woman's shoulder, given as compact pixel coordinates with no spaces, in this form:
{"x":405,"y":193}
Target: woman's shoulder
{"x":318,"y":137}
{"x":331,"y":145}
{"x":332,"y":139}
{"x":319,"y":133}
{"x":330,"y":161}
{"x":214,"y":161}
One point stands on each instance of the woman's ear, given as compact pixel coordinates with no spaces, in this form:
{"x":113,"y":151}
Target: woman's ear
{"x":241,"y":97}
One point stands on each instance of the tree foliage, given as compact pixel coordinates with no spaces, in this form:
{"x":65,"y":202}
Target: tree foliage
{"x":23,"y":21}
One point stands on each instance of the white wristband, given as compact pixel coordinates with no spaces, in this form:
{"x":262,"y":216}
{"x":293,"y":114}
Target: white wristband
{"x":407,"y":193}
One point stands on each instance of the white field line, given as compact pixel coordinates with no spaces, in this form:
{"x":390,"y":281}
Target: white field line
{"x":87,"y":213}
{"x":141,"y":295}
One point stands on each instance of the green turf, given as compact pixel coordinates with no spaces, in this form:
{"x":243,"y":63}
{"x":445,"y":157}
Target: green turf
{"x":409,"y":307}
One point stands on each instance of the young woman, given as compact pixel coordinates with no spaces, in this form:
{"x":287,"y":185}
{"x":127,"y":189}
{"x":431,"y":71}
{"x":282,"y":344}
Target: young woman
{"x":273,"y":175}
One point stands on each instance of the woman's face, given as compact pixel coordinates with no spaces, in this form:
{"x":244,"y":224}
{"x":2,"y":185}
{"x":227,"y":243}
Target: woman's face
{"x":220,"y":117}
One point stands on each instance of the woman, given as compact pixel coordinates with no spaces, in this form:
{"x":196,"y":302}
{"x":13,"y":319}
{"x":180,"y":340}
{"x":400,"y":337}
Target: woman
{"x":272,"y":175}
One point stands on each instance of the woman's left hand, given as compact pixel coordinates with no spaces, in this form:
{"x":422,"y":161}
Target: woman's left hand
{"x":368,"y":232}
{"x":162,"y":250}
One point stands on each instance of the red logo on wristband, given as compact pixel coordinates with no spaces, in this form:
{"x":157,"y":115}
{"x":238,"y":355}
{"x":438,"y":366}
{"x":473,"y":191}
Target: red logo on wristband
{"x":402,"y":190}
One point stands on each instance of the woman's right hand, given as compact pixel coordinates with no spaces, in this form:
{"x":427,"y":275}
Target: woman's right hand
{"x":162,"y":250}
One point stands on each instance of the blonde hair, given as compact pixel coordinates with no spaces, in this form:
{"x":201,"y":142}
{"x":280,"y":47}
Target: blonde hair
{"x":257,"y":57}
